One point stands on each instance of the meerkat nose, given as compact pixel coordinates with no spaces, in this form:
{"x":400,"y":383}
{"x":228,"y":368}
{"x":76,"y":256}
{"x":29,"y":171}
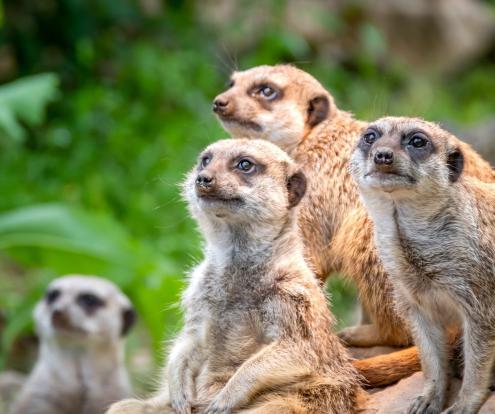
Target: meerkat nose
{"x":384,"y":156}
{"x":204,"y":181}
{"x":220,"y":105}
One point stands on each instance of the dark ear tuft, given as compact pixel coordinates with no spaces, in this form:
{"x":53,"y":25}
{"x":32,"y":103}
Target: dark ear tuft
{"x":129,"y":317}
{"x":318,"y":110}
{"x":296,"y":186}
{"x":455,"y":162}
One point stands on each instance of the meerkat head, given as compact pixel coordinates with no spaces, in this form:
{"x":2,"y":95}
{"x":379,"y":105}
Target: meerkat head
{"x":281,"y":104}
{"x":406,"y":156}
{"x":244,"y":181}
{"x":83,"y":309}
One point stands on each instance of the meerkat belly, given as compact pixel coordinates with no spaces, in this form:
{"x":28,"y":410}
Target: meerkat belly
{"x":234,"y":337}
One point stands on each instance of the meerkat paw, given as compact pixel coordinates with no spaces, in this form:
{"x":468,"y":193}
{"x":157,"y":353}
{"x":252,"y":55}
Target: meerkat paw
{"x":424,"y":405}
{"x":218,"y":406}
{"x":360,"y":336}
{"x":137,"y":407}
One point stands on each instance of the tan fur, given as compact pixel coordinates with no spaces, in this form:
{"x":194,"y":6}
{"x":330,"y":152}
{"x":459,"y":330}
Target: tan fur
{"x":336,"y":229}
{"x":80,"y":368}
{"x":435,"y":232}
{"x":257,"y":336}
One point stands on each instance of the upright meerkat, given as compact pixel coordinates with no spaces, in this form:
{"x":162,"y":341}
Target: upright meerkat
{"x":435,"y":232}
{"x":257,"y":335}
{"x":290,"y":108}
{"x":81,"y":323}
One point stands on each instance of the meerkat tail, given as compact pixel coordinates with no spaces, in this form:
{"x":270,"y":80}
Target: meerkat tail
{"x":387,"y":369}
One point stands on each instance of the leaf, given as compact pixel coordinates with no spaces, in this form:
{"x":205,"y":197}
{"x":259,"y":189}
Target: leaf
{"x":25,"y":100}
{"x":66,"y":231}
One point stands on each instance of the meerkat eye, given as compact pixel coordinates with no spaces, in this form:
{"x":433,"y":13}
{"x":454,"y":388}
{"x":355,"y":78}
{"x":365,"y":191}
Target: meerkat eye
{"x":89,"y":301}
{"x":205,"y":161}
{"x":267,"y":92}
{"x":52,"y":295}
{"x":245,"y":165}
{"x":418,"y":141}
{"x":370,"y":137}
{"x":230,"y":83}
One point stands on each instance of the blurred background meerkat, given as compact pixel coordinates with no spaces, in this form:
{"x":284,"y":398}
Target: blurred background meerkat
{"x":258,"y":333}
{"x":81,"y":323}
{"x":435,"y":232}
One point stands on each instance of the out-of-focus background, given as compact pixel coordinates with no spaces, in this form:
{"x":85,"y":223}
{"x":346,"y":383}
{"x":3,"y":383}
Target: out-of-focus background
{"x":104,"y":105}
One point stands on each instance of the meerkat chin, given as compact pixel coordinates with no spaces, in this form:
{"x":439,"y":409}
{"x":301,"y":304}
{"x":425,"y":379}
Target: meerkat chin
{"x":81,"y":323}
{"x":435,"y":232}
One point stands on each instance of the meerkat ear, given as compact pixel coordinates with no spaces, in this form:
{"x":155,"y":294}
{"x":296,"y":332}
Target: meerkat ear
{"x":129,"y":317}
{"x":455,"y":162}
{"x":318,"y":110}
{"x":296,"y":186}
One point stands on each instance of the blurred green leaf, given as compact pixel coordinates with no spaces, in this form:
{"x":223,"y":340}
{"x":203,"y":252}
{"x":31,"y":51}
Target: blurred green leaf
{"x":25,"y":100}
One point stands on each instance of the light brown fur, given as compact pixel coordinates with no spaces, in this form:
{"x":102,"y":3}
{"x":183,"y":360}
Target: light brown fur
{"x":336,"y":229}
{"x":435,"y":232}
{"x":257,"y":337}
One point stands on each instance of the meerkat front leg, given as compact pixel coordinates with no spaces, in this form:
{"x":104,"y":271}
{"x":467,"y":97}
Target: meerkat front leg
{"x":479,"y":356}
{"x":430,"y":337}
{"x":274,"y":366}
{"x":177,"y":393}
{"x":183,"y":365}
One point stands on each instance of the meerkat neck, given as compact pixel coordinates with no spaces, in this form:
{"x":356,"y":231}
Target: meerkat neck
{"x":252,"y":243}
{"x":89,"y":359}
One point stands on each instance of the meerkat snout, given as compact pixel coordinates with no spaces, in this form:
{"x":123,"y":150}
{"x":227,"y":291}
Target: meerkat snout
{"x":383,"y":156}
{"x":204,"y":183}
{"x":222,"y":105}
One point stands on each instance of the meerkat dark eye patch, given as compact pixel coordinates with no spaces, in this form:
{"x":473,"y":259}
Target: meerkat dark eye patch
{"x":296,"y":187}
{"x":318,"y":110}
{"x":129,"y":317}
{"x":52,"y":295}
{"x":455,"y":163}
{"x":89,"y":302}
{"x":204,"y":160}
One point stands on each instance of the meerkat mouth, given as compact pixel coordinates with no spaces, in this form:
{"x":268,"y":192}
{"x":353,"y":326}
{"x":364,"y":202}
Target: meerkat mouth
{"x":229,"y":119}
{"x":210,"y":198}
{"x":389,"y":179}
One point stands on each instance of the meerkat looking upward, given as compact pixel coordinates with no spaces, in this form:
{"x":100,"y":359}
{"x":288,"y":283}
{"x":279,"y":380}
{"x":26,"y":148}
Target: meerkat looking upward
{"x":435,"y":232}
{"x":81,"y":323}
{"x":257,"y":337}
{"x":290,"y":108}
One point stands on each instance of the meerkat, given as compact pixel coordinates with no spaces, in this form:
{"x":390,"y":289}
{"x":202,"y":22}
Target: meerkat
{"x":290,"y":108}
{"x":81,"y":323}
{"x":435,"y":233}
{"x":257,"y":336}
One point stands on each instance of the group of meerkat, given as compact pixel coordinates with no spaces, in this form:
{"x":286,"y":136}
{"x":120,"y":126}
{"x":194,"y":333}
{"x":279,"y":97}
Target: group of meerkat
{"x":401,"y":207}
{"x":302,"y":190}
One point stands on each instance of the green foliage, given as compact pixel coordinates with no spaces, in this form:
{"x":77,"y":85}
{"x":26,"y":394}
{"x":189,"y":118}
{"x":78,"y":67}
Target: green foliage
{"x":25,"y":100}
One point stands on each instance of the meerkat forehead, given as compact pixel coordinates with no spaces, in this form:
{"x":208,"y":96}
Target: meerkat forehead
{"x":282,"y":75}
{"x":257,"y":148}
{"x":402,"y":125}
{"x":77,"y":283}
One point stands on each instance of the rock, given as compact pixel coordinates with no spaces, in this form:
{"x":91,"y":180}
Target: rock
{"x":397,"y":398}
